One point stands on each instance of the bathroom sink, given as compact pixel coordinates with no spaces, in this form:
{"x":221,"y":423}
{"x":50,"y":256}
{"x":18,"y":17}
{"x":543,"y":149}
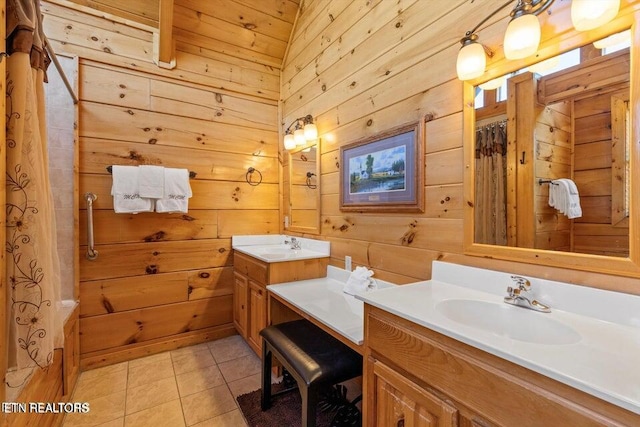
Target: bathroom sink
{"x":506,"y":320}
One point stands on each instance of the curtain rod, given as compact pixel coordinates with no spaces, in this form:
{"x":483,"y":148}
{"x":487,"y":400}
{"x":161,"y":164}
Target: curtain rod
{"x":54,"y":58}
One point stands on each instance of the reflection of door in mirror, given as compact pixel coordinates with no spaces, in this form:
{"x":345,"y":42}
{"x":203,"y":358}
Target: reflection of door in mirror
{"x":568,"y":124}
{"x":304,"y":192}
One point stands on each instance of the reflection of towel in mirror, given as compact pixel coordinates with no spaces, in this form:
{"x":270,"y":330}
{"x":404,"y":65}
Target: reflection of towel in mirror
{"x":563,"y":195}
{"x":126,"y":193}
{"x":359,"y":281}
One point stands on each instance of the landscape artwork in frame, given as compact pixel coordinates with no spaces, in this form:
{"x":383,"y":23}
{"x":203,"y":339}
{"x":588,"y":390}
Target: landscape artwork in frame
{"x":384,"y":173}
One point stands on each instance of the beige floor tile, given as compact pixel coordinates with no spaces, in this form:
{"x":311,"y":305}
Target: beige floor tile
{"x":245,"y":385}
{"x":207,"y":404}
{"x":240,"y":368}
{"x":150,"y":359}
{"x":229,"y":348}
{"x":119,"y":422}
{"x":191,"y":349}
{"x":230,"y":419}
{"x":202,"y":379}
{"x":101,"y":410}
{"x":186,"y":362}
{"x":93,"y":384}
{"x":166,"y":415}
{"x":152,"y":394}
{"x":149,"y":372}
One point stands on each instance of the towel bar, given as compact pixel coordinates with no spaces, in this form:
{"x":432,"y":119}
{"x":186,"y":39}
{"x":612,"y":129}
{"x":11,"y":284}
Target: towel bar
{"x":546,"y":181}
{"x":192,"y":174}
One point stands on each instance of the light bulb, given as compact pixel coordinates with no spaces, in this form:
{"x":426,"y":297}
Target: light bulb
{"x":310,"y":131}
{"x":289,"y":142}
{"x":590,"y":14}
{"x":298,"y":136}
{"x":522,"y":37}
{"x":471,"y":61}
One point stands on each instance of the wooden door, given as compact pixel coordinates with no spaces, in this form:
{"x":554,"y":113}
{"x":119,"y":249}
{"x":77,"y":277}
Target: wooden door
{"x":401,"y":403}
{"x":240,"y":303}
{"x":257,"y":315}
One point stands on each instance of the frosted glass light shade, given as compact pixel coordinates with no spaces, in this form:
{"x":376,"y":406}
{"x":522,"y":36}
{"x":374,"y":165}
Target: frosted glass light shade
{"x":590,"y":14}
{"x":522,"y":37}
{"x":494,"y":84}
{"x":289,"y":142}
{"x":298,"y":136}
{"x":614,"y":39}
{"x":546,"y":65}
{"x":471,"y":61}
{"x":310,"y":132}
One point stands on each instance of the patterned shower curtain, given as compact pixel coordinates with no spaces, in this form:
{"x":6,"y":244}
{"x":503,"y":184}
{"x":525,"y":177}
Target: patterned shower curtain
{"x":491,"y":188}
{"x":33,"y":270}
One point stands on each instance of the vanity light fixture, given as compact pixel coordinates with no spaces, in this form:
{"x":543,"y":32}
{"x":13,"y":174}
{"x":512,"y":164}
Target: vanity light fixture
{"x":523,"y":32}
{"x":299,"y":132}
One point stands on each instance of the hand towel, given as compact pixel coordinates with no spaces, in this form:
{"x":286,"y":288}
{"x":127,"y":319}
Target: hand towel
{"x":359,"y":281}
{"x":572,"y":201}
{"x":151,"y":181}
{"x":125,"y":191}
{"x":563,"y":195}
{"x":177,"y":191}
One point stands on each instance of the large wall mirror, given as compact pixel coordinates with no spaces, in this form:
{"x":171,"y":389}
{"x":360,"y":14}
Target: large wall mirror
{"x":304,"y":190}
{"x":535,"y":137}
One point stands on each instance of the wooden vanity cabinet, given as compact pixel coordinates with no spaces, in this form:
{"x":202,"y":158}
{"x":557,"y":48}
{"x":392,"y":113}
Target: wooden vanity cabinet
{"x":415,"y":376}
{"x":251,"y":277}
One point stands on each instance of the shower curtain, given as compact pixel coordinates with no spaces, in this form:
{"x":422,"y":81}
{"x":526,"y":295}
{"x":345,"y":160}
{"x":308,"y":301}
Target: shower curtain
{"x":491,"y":190}
{"x":33,"y":270}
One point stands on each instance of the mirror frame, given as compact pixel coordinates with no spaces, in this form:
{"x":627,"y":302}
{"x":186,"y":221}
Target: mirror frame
{"x":593,"y":263}
{"x":301,"y":229}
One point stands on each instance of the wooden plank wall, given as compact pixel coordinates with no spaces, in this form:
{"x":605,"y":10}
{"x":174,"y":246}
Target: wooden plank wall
{"x":553,"y":160}
{"x":165,"y":280}
{"x":363,"y":67}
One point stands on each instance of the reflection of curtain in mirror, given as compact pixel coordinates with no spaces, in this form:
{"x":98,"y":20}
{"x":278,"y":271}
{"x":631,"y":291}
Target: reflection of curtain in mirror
{"x":31,"y":256}
{"x":491,"y":189}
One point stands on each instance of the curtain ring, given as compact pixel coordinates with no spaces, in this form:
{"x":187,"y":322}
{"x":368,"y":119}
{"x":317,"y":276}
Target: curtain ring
{"x":249,"y":174}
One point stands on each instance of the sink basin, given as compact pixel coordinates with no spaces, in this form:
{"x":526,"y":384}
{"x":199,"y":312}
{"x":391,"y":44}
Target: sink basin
{"x":506,"y":320}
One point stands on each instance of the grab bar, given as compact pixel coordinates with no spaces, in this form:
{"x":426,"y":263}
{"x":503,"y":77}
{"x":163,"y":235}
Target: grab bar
{"x":92,"y":254}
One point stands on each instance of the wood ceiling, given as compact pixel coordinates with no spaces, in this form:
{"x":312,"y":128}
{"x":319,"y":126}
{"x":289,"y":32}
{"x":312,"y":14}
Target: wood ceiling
{"x":255,"y":30}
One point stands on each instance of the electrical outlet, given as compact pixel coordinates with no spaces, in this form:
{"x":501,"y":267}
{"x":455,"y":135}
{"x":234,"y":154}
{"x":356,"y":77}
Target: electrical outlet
{"x":347,"y":263}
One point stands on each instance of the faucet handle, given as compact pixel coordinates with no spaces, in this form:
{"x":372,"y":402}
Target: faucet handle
{"x":522,"y":282}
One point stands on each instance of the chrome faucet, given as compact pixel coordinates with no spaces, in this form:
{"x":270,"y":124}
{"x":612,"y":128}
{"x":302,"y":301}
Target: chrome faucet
{"x":516,"y":298}
{"x":294,"y":243}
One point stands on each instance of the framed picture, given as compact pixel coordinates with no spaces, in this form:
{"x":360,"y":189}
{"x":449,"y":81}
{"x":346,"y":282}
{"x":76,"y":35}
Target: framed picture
{"x":384,"y":173}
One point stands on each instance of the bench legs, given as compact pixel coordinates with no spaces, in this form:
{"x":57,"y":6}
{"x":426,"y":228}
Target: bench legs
{"x":265,"y":394}
{"x":309,"y":404}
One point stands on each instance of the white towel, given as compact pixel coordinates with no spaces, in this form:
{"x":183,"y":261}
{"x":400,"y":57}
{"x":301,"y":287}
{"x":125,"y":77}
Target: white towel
{"x":151,"y":181}
{"x":359,"y":281}
{"x":563,"y":195}
{"x":177,"y":191}
{"x":125,"y":191}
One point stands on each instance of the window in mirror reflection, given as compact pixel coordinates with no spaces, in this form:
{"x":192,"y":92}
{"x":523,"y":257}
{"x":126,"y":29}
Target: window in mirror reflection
{"x":567,"y":137}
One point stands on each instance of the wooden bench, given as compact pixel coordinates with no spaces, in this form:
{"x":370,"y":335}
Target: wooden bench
{"x":314,"y":359}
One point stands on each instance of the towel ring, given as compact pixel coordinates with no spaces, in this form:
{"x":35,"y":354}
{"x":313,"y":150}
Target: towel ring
{"x":249,"y":174}
{"x":309,"y":176}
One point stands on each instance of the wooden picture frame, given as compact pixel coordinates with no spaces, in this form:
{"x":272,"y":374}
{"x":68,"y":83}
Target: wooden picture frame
{"x":385,"y":172}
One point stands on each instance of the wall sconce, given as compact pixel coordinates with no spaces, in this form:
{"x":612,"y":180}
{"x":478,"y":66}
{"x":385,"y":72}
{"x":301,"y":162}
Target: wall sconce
{"x":523,"y":32}
{"x":299,"y":132}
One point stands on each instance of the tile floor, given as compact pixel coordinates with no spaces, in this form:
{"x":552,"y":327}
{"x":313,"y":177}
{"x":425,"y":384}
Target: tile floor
{"x":192,"y":386}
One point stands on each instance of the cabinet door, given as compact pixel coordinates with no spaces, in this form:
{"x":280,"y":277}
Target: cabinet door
{"x":240,"y":304}
{"x":398,"y":402}
{"x":257,"y":315}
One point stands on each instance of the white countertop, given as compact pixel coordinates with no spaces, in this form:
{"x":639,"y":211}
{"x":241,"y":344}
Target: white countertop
{"x":324,"y":300}
{"x":602,"y":359}
{"x":272,"y":248}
